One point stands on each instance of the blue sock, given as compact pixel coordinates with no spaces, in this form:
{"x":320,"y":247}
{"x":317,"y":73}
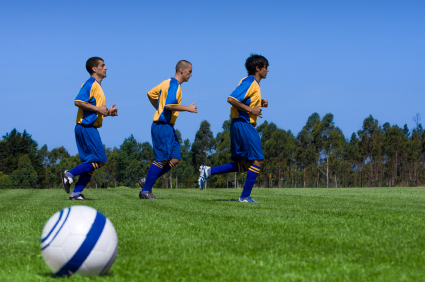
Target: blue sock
{"x":232,"y":167}
{"x":81,"y":184}
{"x":153,"y":174}
{"x":166,"y":168}
{"x":251,"y":176}
{"x":83,"y":168}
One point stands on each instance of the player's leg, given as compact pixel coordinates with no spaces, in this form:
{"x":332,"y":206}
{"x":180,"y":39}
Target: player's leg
{"x":175,"y":156}
{"x":251,"y":176}
{"x":167,"y":156}
{"x":92,"y":155}
{"x":166,"y":167}
{"x":68,"y":175}
{"x":206,"y":171}
{"x":82,"y":182}
{"x":254,"y":158}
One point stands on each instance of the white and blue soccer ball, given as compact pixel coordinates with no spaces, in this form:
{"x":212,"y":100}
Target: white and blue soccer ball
{"x":79,"y":240}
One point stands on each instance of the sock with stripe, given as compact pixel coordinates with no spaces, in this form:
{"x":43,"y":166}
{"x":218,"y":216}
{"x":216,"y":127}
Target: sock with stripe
{"x":251,"y":176}
{"x":232,"y":167}
{"x":82,"y":182}
{"x":166,"y":168}
{"x":82,"y":168}
{"x":153,"y":174}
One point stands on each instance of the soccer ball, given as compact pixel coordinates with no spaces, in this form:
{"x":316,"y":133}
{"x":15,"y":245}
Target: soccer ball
{"x":80,"y":240}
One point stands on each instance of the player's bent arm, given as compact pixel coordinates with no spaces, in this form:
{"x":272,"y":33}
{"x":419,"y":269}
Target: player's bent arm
{"x":154,"y":102}
{"x":238,"y":105}
{"x":242,"y":107}
{"x":88,"y":107}
{"x":191,"y":108}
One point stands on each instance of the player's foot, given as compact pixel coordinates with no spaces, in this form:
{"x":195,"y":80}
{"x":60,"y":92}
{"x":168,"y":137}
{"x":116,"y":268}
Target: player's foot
{"x":146,"y":195}
{"x":66,"y":181}
{"x":77,"y":198}
{"x":204,"y":174}
{"x":82,"y":195}
{"x":142,"y":182}
{"x":246,"y":200}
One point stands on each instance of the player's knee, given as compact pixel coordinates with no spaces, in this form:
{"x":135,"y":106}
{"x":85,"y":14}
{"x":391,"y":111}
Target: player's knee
{"x":175,"y":161}
{"x":102,"y":164}
{"x":258,"y":163}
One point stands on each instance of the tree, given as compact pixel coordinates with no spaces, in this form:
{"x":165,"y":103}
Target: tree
{"x":203,"y":145}
{"x":24,"y":176}
{"x":265,"y":130}
{"x":305,"y":153}
{"x":13,"y":147}
{"x":335,"y":150}
{"x":368,"y":137}
{"x":415,"y":151}
{"x":278,"y":150}
{"x":395,"y":142}
{"x":322,"y":140}
{"x":222,"y":156}
{"x":130,"y":163}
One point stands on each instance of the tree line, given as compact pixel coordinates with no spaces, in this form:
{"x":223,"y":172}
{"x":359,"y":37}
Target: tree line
{"x":318,"y":156}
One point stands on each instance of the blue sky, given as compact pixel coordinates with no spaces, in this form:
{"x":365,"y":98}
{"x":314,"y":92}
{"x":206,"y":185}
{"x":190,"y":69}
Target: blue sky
{"x":349,"y":58}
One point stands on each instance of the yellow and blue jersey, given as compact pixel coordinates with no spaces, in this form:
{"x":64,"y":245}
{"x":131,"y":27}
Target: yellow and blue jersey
{"x":91,"y":92}
{"x":248,"y":92}
{"x":167,"y":93}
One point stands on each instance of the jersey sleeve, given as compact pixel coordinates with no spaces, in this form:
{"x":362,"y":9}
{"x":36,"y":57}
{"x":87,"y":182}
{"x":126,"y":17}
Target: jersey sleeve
{"x":85,"y":93}
{"x":172,"y":98}
{"x":240,"y":93}
{"x":154,"y":93}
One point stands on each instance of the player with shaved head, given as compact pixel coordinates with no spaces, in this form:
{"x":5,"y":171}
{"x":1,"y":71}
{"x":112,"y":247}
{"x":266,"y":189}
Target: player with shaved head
{"x":166,"y":99}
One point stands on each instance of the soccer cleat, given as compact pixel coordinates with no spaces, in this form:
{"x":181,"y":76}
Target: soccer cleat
{"x":82,"y":196}
{"x":204,"y":174}
{"x":77,"y":198}
{"x":246,"y":200}
{"x":146,"y":195}
{"x":142,"y":182}
{"x":66,"y":181}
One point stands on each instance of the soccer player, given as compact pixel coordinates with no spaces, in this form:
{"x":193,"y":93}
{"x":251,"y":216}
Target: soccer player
{"x":91,"y":110}
{"x":166,"y":99}
{"x":246,"y":150}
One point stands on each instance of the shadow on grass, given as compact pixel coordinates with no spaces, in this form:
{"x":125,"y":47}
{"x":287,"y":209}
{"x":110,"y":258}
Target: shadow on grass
{"x":52,"y":275}
{"x":76,"y":201}
{"x":225,"y":200}
{"x":48,"y":274}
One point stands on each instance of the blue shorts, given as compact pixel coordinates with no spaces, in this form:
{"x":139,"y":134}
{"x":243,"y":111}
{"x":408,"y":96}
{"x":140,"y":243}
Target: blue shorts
{"x":245,"y":142}
{"x":165,"y":142}
{"x":90,"y":147}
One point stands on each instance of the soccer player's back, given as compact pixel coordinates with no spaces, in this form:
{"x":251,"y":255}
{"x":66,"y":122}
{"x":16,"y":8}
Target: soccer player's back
{"x":246,"y":149}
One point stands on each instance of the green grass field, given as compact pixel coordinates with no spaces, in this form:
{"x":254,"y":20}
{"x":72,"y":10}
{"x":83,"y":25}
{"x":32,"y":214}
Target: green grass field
{"x":192,"y":235}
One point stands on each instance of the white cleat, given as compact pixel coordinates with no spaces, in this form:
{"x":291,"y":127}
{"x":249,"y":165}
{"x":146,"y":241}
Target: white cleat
{"x":66,"y":181}
{"x":204,"y":174}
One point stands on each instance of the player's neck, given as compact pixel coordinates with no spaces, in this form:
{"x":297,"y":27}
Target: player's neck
{"x":98,"y":78}
{"x":257,"y":77}
{"x":179,"y":78}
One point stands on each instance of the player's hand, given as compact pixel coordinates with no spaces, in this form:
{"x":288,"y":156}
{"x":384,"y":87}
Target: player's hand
{"x":113,"y":112}
{"x":192,"y":108}
{"x":103,"y":110}
{"x":264,"y":103}
{"x":256,"y":111}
